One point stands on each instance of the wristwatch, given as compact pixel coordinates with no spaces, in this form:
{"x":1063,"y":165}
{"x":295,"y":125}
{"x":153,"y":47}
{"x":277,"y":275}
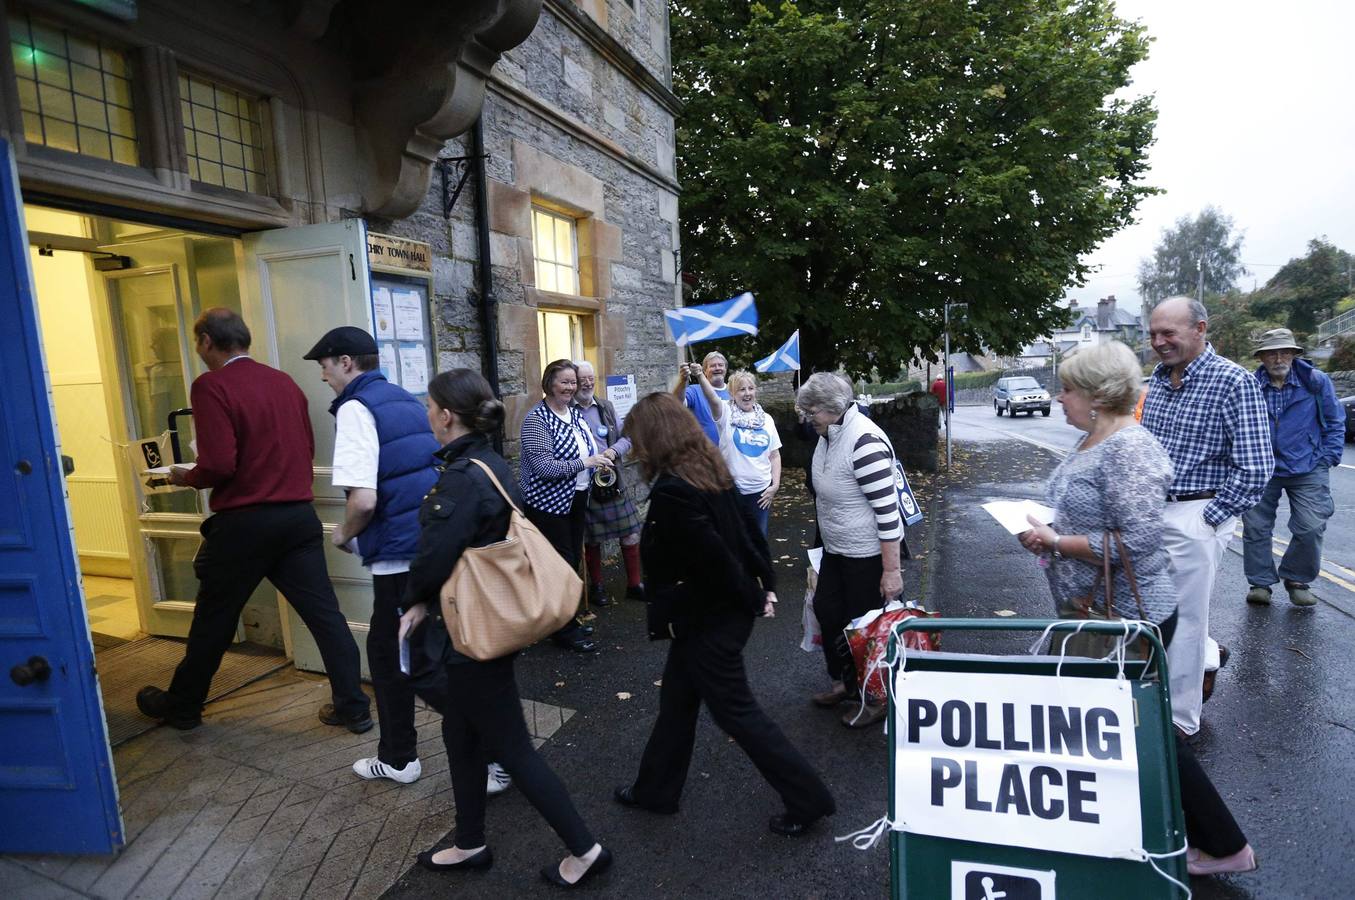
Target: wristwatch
{"x":1054,"y":547}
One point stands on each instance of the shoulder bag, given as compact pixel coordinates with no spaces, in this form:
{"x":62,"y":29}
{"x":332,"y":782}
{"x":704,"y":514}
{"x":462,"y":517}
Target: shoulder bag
{"x":505,"y":596}
{"x":1095,"y":645}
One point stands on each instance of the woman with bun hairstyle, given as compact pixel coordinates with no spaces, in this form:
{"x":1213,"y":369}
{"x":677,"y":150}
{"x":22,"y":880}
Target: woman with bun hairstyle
{"x":483,"y":718}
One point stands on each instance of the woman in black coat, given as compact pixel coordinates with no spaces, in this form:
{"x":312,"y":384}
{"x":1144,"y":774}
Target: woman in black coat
{"x":483,"y":716}
{"x":708,"y":575}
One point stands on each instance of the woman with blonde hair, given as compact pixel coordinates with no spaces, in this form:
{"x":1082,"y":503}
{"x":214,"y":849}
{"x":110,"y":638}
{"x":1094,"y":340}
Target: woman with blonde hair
{"x":1108,"y":496}
{"x":712,"y":572}
{"x":749,"y":443}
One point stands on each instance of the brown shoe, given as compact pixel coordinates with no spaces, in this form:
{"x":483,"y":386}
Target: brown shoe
{"x":865,"y":716}
{"x":831,"y":698}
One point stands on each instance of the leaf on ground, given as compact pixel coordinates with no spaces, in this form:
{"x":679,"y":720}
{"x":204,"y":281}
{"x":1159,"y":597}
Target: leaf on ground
{"x":1005,"y":613}
{"x":559,"y":684}
{"x":782,"y":540}
{"x":623,"y":695}
{"x":659,"y":683}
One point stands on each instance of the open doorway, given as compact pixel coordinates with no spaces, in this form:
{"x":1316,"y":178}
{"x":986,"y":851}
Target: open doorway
{"x":116,"y":302}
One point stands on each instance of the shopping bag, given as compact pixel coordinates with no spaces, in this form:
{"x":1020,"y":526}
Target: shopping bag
{"x":868,"y":638}
{"x":813,"y":636}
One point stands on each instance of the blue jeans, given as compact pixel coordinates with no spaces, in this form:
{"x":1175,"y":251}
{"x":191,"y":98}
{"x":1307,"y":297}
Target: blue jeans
{"x":1310,"y":506}
{"x":762,"y":515}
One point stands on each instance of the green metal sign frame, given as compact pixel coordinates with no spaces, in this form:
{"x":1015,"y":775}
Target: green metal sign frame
{"x":920,"y":865}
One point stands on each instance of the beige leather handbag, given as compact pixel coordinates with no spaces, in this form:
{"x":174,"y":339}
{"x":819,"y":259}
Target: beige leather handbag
{"x":510,"y":594}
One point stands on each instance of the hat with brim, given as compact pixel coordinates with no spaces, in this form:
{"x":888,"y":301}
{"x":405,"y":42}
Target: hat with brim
{"x":1276,"y":339}
{"x":346,"y":340}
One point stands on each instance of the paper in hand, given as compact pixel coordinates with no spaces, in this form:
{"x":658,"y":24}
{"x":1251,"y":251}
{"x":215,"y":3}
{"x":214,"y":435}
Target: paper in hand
{"x":1011,"y":514}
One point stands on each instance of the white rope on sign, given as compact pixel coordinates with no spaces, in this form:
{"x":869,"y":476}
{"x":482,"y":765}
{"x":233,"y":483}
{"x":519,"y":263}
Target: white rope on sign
{"x":1133,"y":629}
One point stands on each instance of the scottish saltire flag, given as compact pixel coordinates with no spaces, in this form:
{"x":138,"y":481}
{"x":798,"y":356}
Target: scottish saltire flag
{"x":714,"y":320}
{"x":786,"y":358}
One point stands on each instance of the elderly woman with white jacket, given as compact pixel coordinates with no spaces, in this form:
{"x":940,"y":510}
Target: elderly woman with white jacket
{"x":859,"y":523}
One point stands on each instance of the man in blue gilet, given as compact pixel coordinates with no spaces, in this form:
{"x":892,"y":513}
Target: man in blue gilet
{"x":383,"y":459}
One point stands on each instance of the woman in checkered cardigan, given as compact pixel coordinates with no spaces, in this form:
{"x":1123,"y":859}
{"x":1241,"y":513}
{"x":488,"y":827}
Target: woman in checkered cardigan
{"x":556,"y":472}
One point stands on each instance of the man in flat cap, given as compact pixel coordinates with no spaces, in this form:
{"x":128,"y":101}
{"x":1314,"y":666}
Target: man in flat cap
{"x":383,"y":459}
{"x":255,"y":450}
{"x":1307,"y":431}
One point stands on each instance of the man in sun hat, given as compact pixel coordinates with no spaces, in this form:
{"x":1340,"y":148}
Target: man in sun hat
{"x":1307,"y":432}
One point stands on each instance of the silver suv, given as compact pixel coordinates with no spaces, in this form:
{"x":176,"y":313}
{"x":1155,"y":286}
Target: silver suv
{"x":1020,"y":393}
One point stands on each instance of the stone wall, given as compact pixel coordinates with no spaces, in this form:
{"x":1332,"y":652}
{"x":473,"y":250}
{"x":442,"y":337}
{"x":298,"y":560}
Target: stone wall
{"x":912,"y":422}
{"x":1344,"y":382}
{"x":565,"y":127}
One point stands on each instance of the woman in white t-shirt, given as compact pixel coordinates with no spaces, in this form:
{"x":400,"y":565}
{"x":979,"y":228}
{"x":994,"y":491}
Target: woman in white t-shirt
{"x":750,"y":445}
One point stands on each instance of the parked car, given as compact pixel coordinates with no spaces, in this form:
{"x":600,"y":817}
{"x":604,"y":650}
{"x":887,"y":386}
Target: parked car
{"x":1020,"y":393}
{"x":1348,"y":404}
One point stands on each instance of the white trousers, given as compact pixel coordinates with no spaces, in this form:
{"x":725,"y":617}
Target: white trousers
{"x":1196,"y":551}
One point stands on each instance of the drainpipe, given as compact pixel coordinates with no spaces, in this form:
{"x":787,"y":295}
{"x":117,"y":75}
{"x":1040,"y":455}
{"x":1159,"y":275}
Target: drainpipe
{"x":489,"y":330}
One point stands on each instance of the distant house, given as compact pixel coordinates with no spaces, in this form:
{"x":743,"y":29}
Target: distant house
{"x":1087,"y":327}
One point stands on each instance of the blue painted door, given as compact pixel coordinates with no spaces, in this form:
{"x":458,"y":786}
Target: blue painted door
{"x":57,"y":790}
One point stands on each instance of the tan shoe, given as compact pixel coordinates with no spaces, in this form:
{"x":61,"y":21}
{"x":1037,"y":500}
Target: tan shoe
{"x":831,"y":697}
{"x":1299,"y":594}
{"x":865,"y":716}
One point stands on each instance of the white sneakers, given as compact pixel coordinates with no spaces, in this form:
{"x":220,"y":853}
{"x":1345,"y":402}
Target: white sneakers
{"x":372,"y":767}
{"x":499,"y":780}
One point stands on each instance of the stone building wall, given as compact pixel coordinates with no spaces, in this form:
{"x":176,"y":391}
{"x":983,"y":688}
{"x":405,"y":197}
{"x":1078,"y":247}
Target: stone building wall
{"x":566,"y":127}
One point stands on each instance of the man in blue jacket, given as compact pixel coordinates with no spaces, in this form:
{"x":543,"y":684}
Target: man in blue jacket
{"x":1307,"y":430}
{"x":383,"y":459}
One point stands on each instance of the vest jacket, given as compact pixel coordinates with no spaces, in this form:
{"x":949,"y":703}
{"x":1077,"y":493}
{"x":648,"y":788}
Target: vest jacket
{"x":846,"y":519}
{"x":404,"y":467}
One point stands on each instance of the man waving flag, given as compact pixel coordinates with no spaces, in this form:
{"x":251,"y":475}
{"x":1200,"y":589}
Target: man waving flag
{"x":731,"y":318}
{"x":786,"y":358}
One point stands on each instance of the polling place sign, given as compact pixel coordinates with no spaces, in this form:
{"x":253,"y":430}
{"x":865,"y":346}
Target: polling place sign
{"x":1038,"y":761}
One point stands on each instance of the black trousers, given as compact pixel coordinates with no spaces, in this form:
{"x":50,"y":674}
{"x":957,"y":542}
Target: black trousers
{"x":565,"y":533}
{"x":1210,"y":825}
{"x":482,"y":722}
{"x":284,"y":543}
{"x":394,"y":692}
{"x":848,"y":587}
{"x":708,"y":667}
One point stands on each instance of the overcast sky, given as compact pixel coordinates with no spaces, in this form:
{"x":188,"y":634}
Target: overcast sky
{"x":1256,"y":115}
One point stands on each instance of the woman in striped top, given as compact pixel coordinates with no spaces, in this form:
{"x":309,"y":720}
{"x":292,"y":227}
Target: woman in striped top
{"x":556,"y":473}
{"x":859,"y":523}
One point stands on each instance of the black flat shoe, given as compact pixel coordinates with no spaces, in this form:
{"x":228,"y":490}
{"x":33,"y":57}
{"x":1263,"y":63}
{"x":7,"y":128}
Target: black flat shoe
{"x":600,"y":865}
{"x":626,"y":797}
{"x":330,"y":716}
{"x":482,"y":860}
{"x":579,"y":643}
{"x":789,"y":825}
{"x":157,"y":704}
{"x":636,"y":593}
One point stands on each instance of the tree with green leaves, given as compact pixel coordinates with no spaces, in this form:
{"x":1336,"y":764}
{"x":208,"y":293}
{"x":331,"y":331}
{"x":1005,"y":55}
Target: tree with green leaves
{"x":1207,"y":244}
{"x":858,"y":164}
{"x":1307,"y":289}
{"x":1234,"y":323}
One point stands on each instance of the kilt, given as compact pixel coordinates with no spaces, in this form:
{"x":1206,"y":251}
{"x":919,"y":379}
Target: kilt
{"x":616,"y":518}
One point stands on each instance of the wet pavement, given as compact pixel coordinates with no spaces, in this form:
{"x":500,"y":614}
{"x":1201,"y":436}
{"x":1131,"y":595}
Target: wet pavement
{"x":1278,"y":736}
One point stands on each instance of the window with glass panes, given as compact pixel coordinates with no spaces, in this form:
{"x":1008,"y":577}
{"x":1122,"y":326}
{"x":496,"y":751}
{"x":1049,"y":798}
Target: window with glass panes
{"x":75,"y":92}
{"x":553,"y":248}
{"x":222,"y":134}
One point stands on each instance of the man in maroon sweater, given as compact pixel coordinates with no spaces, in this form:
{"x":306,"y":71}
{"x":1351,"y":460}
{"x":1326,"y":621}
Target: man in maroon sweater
{"x":255,"y":448}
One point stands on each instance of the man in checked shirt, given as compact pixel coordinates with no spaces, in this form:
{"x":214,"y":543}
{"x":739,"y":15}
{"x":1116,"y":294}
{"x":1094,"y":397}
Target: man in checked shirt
{"x":1208,"y":414}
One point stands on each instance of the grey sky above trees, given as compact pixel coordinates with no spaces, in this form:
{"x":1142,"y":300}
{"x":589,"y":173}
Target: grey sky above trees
{"x":1254,"y":117}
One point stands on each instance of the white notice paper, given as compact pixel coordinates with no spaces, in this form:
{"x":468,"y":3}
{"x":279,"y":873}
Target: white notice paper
{"x":390,"y":366}
{"x":414,"y":370}
{"x":1037,"y":761}
{"x":384,"y":314}
{"x":408,"y":316}
{"x":622,"y":394}
{"x":815,"y":558}
{"x":1011,"y":514}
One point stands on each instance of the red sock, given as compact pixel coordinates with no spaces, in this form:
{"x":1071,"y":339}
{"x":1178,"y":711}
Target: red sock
{"x":593,"y":554}
{"x":631,"y":553}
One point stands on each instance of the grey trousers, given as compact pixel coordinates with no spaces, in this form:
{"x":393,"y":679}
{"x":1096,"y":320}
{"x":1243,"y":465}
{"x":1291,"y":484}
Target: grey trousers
{"x":1310,"y":506}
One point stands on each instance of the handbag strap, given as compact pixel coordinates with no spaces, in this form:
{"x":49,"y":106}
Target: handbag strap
{"x":1107,"y":583}
{"x":1129,"y":572}
{"x":493,"y":478}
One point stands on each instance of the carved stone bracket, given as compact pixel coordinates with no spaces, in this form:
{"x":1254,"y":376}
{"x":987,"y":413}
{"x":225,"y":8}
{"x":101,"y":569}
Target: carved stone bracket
{"x":428,"y":87}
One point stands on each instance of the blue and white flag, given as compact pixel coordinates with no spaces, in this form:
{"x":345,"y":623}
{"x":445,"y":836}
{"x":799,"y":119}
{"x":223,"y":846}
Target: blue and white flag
{"x":786,"y":358}
{"x":714,"y":320}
